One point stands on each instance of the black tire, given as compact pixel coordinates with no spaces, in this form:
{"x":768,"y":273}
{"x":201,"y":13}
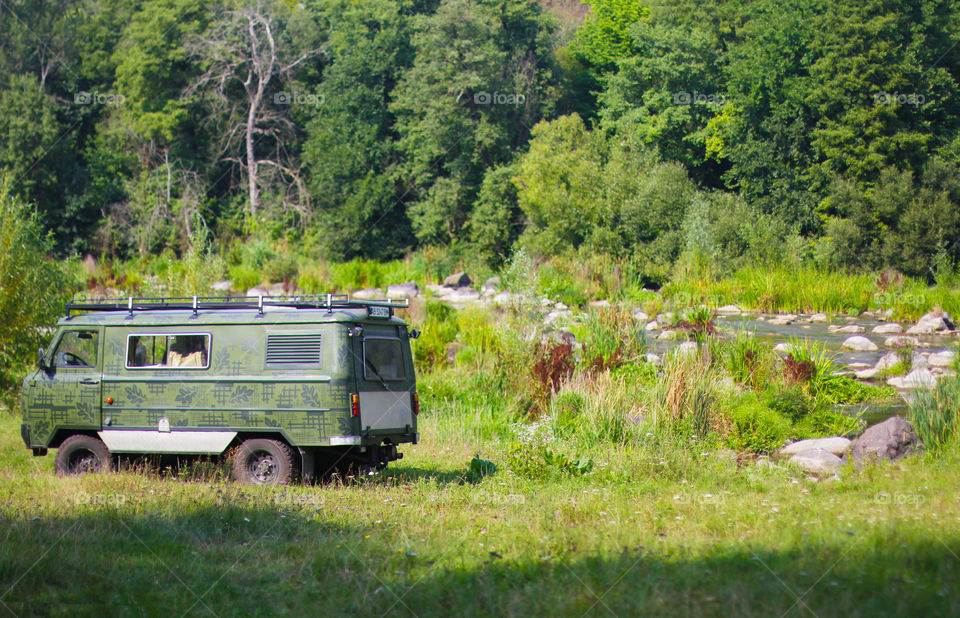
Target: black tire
{"x":260,"y":461}
{"x":82,"y":454}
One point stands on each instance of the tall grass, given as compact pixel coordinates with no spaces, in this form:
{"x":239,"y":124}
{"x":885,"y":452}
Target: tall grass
{"x":935,"y":413}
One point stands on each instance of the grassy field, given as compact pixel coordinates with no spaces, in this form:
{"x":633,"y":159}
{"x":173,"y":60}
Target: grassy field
{"x":652,"y":529}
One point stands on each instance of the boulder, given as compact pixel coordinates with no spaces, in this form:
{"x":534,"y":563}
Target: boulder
{"x":503,"y":298}
{"x":462,"y":295}
{"x":866,"y":374}
{"x":838,"y":446}
{"x":947,"y":358}
{"x":850,"y":329}
{"x":782,"y":320}
{"x":668,"y":335}
{"x":729,"y":310}
{"x":890,"y":328}
{"x":222,"y":286}
{"x":932,"y":323}
{"x":859,"y":344}
{"x":258,"y":290}
{"x":918,"y":378}
{"x":368,"y":294}
{"x":493,"y":283}
{"x":653,"y":325}
{"x":653,"y":359}
{"x":457,"y":280}
{"x":817,"y":461}
{"x":901,"y":341}
{"x":891,"y":439}
{"x":560,"y":306}
{"x":688,"y":347}
{"x":783,"y":348}
{"x":403,"y":290}
{"x":818,"y":317}
{"x":639,"y":315}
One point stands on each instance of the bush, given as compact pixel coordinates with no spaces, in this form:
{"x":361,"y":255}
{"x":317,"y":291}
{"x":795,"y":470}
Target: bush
{"x":33,"y":289}
{"x":756,"y":427}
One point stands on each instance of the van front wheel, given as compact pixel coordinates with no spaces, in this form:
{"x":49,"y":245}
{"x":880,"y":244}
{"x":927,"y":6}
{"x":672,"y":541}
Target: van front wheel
{"x":81,"y":454}
{"x":260,"y":461}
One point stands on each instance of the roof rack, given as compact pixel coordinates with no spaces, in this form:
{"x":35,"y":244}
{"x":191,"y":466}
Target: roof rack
{"x":198,"y":303}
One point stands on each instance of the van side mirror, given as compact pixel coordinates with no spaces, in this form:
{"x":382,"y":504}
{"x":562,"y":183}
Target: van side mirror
{"x":41,"y":361}
{"x":414,"y":333}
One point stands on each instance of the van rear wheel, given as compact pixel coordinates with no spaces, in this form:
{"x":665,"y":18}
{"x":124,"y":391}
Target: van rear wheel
{"x":260,"y":461}
{"x":81,"y":454}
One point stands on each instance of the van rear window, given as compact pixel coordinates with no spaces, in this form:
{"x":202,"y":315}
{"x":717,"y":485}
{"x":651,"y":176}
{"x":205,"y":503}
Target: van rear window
{"x":189,"y":351}
{"x":383,"y":359}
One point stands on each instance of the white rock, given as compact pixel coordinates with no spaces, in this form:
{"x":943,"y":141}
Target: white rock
{"x":640,"y":315}
{"x":687,"y":347}
{"x":403,"y":290}
{"x":901,"y":341}
{"x":462,"y":295}
{"x":439,"y":290}
{"x":668,"y":335}
{"x":503,"y":298}
{"x":919,"y":361}
{"x":560,"y":307}
{"x":859,"y":344}
{"x":222,"y":286}
{"x":367,"y":294}
{"x":729,"y":310}
{"x":866,"y":374}
{"x":782,"y":320}
{"x":890,"y":328}
{"x":887,"y":361}
{"x":653,"y":359}
{"x":918,"y":378}
{"x":783,"y":348}
{"x":942,"y":359}
{"x":654,"y":325}
{"x":838,"y":446}
{"x":850,"y":329}
{"x":258,"y":291}
{"x":599,"y":304}
{"x":931,"y":324}
{"x":818,"y":317}
{"x":553,"y":316}
{"x":816,"y":460}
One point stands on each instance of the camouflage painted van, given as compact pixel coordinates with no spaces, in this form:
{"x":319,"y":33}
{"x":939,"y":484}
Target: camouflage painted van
{"x":288,"y":385}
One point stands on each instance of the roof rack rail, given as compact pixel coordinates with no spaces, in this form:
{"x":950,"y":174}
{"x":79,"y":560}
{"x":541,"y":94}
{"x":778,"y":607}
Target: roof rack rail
{"x":198,"y":303}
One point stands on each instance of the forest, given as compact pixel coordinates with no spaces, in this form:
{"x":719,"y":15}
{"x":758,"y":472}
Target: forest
{"x":716,"y":134}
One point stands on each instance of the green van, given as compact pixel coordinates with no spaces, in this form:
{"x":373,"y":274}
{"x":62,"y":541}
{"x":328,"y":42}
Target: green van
{"x":287,"y":385}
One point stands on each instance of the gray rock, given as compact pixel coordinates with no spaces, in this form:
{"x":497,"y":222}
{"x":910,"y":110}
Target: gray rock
{"x":654,"y":325}
{"x":859,"y":344}
{"x":932,"y":323}
{"x":947,"y":358}
{"x":866,"y":374}
{"x":729,"y":310}
{"x":503,"y":298}
{"x":838,"y":446}
{"x":887,"y":361}
{"x":639,"y":315}
{"x":653,"y":359}
{"x":817,"y":461}
{"x":669,"y":335}
{"x":818,"y":317}
{"x":891,"y":439}
{"x":850,"y":329}
{"x":553,"y":316}
{"x":783,"y":348}
{"x":258,"y":290}
{"x":890,"y":328}
{"x":901,"y":341}
{"x":493,"y":283}
{"x":403,"y":290}
{"x":457,"y":280}
{"x":222,"y":286}
{"x":782,"y":320}
{"x":688,"y":347}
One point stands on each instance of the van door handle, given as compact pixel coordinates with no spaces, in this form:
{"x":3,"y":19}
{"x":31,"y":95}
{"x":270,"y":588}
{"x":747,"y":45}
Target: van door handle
{"x":89,"y":381}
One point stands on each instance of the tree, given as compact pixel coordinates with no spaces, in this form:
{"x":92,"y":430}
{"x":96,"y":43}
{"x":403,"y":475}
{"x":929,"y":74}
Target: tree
{"x":245,"y":52}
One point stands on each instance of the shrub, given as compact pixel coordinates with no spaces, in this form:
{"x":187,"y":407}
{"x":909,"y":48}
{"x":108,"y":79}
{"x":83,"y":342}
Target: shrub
{"x":683,"y":401}
{"x":756,"y":427}
{"x":611,"y":338}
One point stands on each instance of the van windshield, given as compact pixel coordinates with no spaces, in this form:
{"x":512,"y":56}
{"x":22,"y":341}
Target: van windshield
{"x":382,"y":359}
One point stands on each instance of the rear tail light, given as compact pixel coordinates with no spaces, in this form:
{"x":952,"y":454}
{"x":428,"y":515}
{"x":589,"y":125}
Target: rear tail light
{"x":416,"y":403}
{"x":355,"y":404}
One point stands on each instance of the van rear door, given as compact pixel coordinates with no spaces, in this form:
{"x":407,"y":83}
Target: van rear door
{"x":384,"y":376}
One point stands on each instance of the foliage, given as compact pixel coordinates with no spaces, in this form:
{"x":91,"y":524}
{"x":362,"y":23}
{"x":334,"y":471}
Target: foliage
{"x":934,"y":413}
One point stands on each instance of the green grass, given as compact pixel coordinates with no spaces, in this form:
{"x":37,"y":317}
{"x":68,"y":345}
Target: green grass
{"x":651,"y":529}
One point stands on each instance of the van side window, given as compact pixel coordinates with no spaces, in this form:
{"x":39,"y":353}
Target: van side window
{"x":168,"y":351}
{"x":77,"y":348}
